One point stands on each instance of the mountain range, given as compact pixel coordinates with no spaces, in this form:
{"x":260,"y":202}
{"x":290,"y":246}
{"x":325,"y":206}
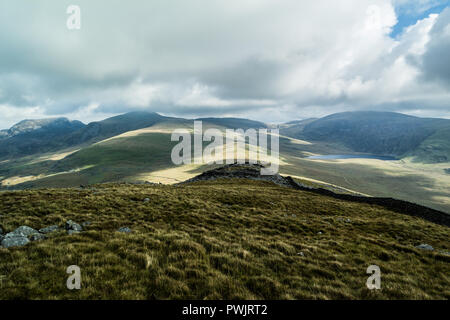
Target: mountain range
{"x":136,"y":147}
{"x":381,"y":133}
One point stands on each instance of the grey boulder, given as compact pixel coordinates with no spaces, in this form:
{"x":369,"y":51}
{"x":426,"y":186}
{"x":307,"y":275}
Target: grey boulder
{"x":425,"y":246}
{"x":14,"y":241}
{"x":70,"y":225}
{"x":37,"y":237}
{"x":124,"y":230}
{"x":49,"y":229}
{"x":23,"y":230}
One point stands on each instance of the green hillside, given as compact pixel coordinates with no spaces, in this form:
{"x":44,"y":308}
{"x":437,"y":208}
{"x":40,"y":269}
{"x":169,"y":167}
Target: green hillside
{"x":223,"y":239}
{"x":434,"y":149}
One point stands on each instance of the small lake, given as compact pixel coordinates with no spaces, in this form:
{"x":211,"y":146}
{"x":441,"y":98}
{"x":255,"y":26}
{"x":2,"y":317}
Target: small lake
{"x":352,"y":156}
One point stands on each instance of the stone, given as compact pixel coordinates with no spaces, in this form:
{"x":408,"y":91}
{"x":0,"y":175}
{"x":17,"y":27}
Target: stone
{"x":124,"y":230}
{"x":146,"y":199}
{"x":348,"y":220}
{"x":49,"y":229}
{"x":301,"y":254}
{"x":70,"y":232}
{"x":85,"y":224}
{"x":425,"y":246}
{"x":37,"y":237}
{"x":15,"y":241}
{"x":70,"y":225}
{"x":25,"y":231}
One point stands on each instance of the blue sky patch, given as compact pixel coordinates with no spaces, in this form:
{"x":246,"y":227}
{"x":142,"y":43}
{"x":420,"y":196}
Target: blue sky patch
{"x":408,"y":18}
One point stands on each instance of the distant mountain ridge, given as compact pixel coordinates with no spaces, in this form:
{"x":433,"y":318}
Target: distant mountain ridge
{"x":26,"y":126}
{"x":383,"y":133}
{"x":39,"y":136}
{"x":36,"y":136}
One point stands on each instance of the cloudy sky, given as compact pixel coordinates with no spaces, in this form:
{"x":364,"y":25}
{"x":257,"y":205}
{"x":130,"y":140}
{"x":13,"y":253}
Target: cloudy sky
{"x":269,"y":60}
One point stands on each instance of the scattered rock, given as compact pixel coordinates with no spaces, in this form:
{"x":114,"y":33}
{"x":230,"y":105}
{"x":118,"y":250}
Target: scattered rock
{"x":146,"y":199}
{"x":294,"y":216}
{"x":37,"y":237}
{"x":124,"y":230}
{"x":301,"y":254}
{"x":49,"y":229}
{"x":320,"y":232}
{"x":70,"y":225}
{"x":348,"y":220}
{"x":425,"y":246}
{"x":14,"y":241}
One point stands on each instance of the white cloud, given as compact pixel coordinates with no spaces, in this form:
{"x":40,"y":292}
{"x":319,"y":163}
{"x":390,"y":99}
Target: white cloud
{"x":256,"y":58}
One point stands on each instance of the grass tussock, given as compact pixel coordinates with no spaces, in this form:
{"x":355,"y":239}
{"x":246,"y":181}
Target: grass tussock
{"x":218,"y":240}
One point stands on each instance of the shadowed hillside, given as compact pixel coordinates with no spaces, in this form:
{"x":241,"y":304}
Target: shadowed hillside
{"x":382,"y":133}
{"x":36,"y":136}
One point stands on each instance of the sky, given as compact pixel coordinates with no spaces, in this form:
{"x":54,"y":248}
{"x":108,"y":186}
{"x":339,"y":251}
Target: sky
{"x":268,"y":60}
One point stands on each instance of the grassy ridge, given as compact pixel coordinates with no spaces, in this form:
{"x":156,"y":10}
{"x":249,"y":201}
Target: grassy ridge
{"x":218,"y":240}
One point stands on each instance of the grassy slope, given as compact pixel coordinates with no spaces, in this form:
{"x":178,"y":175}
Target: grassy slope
{"x":219,"y":240}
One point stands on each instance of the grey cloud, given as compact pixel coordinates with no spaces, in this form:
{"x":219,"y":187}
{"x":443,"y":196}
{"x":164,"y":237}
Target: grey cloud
{"x":254,"y":78}
{"x":288,"y":52}
{"x":435,"y":62}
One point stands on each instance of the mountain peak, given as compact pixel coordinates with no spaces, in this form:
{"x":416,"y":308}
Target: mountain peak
{"x":29,"y":125}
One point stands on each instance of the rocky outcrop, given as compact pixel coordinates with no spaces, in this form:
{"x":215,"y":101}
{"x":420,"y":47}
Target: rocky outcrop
{"x":24,"y":234}
{"x":242,"y":171}
{"x":19,"y":237}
